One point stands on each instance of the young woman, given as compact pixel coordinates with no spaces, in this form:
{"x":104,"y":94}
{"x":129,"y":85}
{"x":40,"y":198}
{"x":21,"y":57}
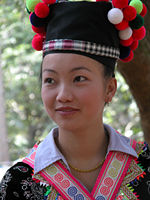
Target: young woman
{"x":82,"y":158}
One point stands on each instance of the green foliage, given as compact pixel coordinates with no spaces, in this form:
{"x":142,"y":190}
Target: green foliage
{"x":26,"y":119}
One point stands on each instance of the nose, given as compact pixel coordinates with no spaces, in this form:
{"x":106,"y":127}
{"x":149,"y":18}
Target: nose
{"x":64,"y":94}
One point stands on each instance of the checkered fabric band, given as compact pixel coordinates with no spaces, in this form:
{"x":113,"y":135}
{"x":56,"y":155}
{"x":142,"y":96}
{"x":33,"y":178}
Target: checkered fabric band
{"x":83,"y":46}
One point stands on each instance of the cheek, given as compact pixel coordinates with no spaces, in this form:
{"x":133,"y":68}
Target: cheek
{"x":93,"y":98}
{"x":47,"y":98}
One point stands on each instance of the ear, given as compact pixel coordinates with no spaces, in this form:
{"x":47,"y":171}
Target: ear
{"x":111,"y":88}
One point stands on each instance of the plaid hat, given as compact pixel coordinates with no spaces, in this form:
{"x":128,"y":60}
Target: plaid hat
{"x":100,"y":30}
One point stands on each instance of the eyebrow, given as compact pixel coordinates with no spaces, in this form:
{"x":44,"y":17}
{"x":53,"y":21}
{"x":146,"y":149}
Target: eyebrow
{"x":80,"y":68}
{"x":72,"y":70}
{"x":50,"y":70}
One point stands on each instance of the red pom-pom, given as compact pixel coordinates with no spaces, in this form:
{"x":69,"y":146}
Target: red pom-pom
{"x":126,"y":43}
{"x":37,"y":42}
{"x":144,"y":11}
{"x":41,"y":10}
{"x":39,"y":29}
{"x":123,"y":25}
{"x":129,"y":58}
{"x":129,"y":13}
{"x":139,"y":34}
{"x":49,"y":1}
{"x":134,"y":45}
{"x":120,"y":4}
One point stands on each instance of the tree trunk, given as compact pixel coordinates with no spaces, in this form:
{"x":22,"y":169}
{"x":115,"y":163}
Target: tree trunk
{"x":137,"y":76}
{"x":4,"y":155}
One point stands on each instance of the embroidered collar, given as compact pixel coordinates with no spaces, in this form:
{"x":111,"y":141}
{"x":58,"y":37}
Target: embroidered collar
{"x":48,"y":153}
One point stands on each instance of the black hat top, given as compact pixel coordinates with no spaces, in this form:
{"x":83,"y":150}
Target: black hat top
{"x":103,"y":30}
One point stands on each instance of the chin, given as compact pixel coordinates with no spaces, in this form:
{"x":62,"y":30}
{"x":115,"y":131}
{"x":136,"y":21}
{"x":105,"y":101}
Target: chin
{"x":68,"y":126}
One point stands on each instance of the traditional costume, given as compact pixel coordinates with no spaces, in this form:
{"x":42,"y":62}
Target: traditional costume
{"x":44,"y":174}
{"x":104,"y":31}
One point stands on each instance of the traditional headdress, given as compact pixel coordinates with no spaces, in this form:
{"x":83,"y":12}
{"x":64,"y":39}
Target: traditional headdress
{"x":103,"y":30}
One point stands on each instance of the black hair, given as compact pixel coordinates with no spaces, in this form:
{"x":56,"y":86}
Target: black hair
{"x":109,"y":71}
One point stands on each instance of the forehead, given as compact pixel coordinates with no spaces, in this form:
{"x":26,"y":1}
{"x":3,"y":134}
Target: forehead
{"x":68,"y":61}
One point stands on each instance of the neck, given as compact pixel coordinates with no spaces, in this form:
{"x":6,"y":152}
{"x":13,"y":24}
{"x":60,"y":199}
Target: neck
{"x":84,"y":146}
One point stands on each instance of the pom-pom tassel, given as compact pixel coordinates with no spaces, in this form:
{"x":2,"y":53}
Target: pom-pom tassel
{"x":137,"y":4}
{"x":125,"y":34}
{"x":139,"y":34}
{"x":49,"y":1}
{"x":134,"y":45}
{"x":37,"y":42}
{"x":37,"y":21}
{"x":129,"y":13}
{"x":120,"y":4}
{"x":30,"y":4}
{"x":127,"y":42}
{"x":40,"y":30}
{"x":144,"y":11}
{"x":129,"y":58}
{"x":115,"y":16}
{"x":123,"y":25}
{"x":137,"y":23}
{"x":41,"y":10}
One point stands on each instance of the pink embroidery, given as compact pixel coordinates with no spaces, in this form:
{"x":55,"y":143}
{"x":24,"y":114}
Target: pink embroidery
{"x":69,"y":187}
{"x":58,"y":177}
{"x":120,"y":156}
{"x":105,"y":190}
{"x":108,"y":182}
{"x":31,"y":156}
{"x":111,"y":176}
{"x":65,"y":184}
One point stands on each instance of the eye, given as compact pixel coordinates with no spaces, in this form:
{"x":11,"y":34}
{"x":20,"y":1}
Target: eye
{"x":80,"y":79}
{"x":49,"y":81}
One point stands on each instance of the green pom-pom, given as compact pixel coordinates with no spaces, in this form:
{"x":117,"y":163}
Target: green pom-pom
{"x":138,"y":5}
{"x":30,"y":4}
{"x":137,"y":23}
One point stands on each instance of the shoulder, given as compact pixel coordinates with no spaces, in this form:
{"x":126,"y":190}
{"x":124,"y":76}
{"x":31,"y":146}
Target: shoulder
{"x":141,"y":167}
{"x":17,"y":183}
{"x":143,"y":151}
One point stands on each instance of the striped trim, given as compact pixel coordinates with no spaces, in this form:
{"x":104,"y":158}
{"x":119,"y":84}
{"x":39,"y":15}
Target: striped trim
{"x":63,"y":181}
{"x":111,"y":176}
{"x":29,"y":159}
{"x":83,"y":46}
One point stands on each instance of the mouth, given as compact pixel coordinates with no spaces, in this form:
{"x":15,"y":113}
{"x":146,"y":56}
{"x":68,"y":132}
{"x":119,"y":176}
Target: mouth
{"x":66,"y":111}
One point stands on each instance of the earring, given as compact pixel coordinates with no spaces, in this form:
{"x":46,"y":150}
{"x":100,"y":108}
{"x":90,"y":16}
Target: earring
{"x":107,"y":102}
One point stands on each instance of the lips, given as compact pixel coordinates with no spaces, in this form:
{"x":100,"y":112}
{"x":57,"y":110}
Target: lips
{"x":66,"y":109}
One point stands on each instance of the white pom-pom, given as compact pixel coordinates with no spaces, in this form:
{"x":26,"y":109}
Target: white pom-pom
{"x":115,"y":16}
{"x":125,"y":34}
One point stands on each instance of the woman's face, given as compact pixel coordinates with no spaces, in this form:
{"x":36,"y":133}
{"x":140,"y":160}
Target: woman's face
{"x":74,"y":90}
